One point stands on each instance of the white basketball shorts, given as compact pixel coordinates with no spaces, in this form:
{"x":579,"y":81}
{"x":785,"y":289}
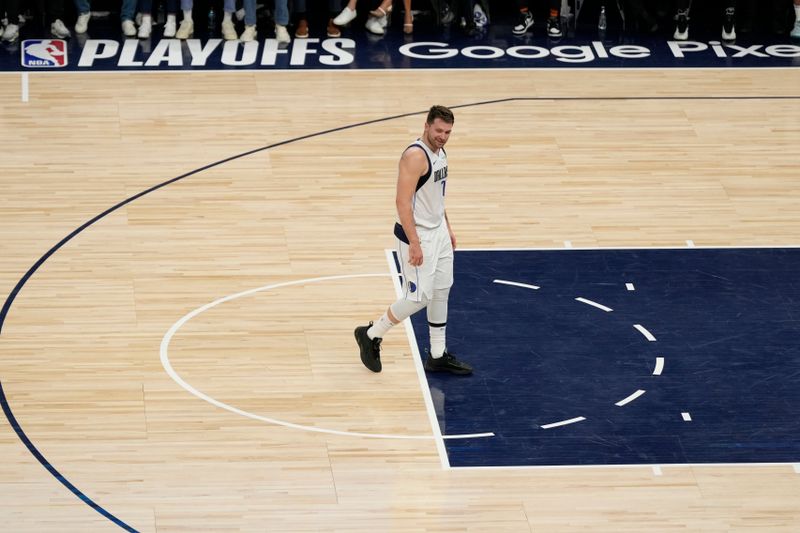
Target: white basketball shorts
{"x":436,"y":270}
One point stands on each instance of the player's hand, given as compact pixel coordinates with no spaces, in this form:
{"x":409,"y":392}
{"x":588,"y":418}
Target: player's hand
{"x":415,"y":254}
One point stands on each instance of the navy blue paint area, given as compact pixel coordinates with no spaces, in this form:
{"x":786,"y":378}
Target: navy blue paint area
{"x":104,"y":49}
{"x":725,"y":321}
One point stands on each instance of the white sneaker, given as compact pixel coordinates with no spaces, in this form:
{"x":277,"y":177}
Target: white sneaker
{"x":282,"y":34}
{"x":345,"y":17}
{"x":228,"y":31}
{"x":479,"y":16}
{"x":186,"y":29}
{"x":795,"y":33}
{"x":58,"y":29}
{"x":138,"y":19}
{"x":128,"y":29}
{"x":146,"y":27}
{"x":169,"y":27}
{"x":11,"y":33}
{"x":82,"y":24}
{"x":374,"y":25}
{"x":249,"y":34}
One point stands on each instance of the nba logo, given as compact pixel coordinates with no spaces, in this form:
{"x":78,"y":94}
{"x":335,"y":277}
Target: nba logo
{"x":44,"y":53}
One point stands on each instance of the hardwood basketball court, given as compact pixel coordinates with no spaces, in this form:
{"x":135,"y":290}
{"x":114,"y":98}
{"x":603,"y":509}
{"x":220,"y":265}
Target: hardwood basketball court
{"x":599,"y":158}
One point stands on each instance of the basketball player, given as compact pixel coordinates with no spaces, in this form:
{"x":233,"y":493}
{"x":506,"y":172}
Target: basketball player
{"x":425,"y":246}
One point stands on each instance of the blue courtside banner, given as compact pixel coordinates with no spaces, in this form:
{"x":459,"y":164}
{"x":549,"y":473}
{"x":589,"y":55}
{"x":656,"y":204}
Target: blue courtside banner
{"x":393,"y":51}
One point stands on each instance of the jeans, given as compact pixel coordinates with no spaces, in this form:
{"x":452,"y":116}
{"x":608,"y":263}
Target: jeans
{"x":146,"y":6}
{"x":127,"y":12}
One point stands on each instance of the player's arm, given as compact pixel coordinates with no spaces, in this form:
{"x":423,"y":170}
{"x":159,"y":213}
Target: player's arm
{"x":413,"y":164}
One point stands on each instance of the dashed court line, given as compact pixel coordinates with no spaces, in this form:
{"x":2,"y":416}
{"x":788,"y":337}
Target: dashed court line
{"x":517,"y":284}
{"x":564,"y":422}
{"x":630,"y":398}
{"x":647,"y":335}
{"x":594,"y":304}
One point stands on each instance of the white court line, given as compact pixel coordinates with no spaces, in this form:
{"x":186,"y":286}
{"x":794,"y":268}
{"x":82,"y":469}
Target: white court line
{"x":686,"y":417}
{"x":630,"y":398}
{"x":603,"y":248}
{"x":515,"y":284}
{"x":690,"y":243}
{"x":567,"y":244}
{"x":25,"y":90}
{"x":657,"y":470}
{"x":564,"y":422}
{"x":423,"y":382}
{"x":175,"y":377}
{"x":604,"y":466}
{"x":629,"y":286}
{"x":643,"y":331}
{"x":659,"y":366}
{"x":594,"y":304}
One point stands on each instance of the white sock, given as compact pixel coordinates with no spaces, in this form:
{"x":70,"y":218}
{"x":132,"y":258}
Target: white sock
{"x":380,"y":328}
{"x":226,"y":17}
{"x":187,"y":14}
{"x":147,"y":19}
{"x":796,"y":12}
{"x":437,"y":341}
{"x":171,"y":18}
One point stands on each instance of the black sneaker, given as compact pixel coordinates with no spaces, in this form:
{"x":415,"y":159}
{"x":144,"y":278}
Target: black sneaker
{"x":554,"y":27}
{"x":681,"y":26}
{"x":728,"y":27}
{"x":447,"y":363}
{"x":525,"y":23}
{"x":370,"y":348}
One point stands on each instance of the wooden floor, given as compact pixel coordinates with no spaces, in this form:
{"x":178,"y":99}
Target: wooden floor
{"x":80,"y":347}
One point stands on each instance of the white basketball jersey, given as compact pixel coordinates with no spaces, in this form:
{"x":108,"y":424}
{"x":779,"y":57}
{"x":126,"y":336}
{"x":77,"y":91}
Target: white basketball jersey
{"x":428,"y":201}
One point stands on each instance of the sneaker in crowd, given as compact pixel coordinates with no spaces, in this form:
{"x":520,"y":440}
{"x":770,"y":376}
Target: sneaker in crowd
{"x":795,"y":33}
{"x":11,"y":33}
{"x":479,"y":17}
{"x":249,"y":34}
{"x":374,"y":25}
{"x":554,"y":26}
{"x":333,"y":30}
{"x":447,"y":15}
{"x":186,"y":29}
{"x":301,"y":32}
{"x":228,"y":30}
{"x":681,"y":26}
{"x":169,"y":27}
{"x":728,"y":25}
{"x":345,"y":17}
{"x":128,"y":28}
{"x":146,"y":27}
{"x":58,"y":29}
{"x":370,"y":348}
{"x":282,"y":34}
{"x":82,"y":24}
{"x":447,"y":363}
{"x":525,"y":23}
